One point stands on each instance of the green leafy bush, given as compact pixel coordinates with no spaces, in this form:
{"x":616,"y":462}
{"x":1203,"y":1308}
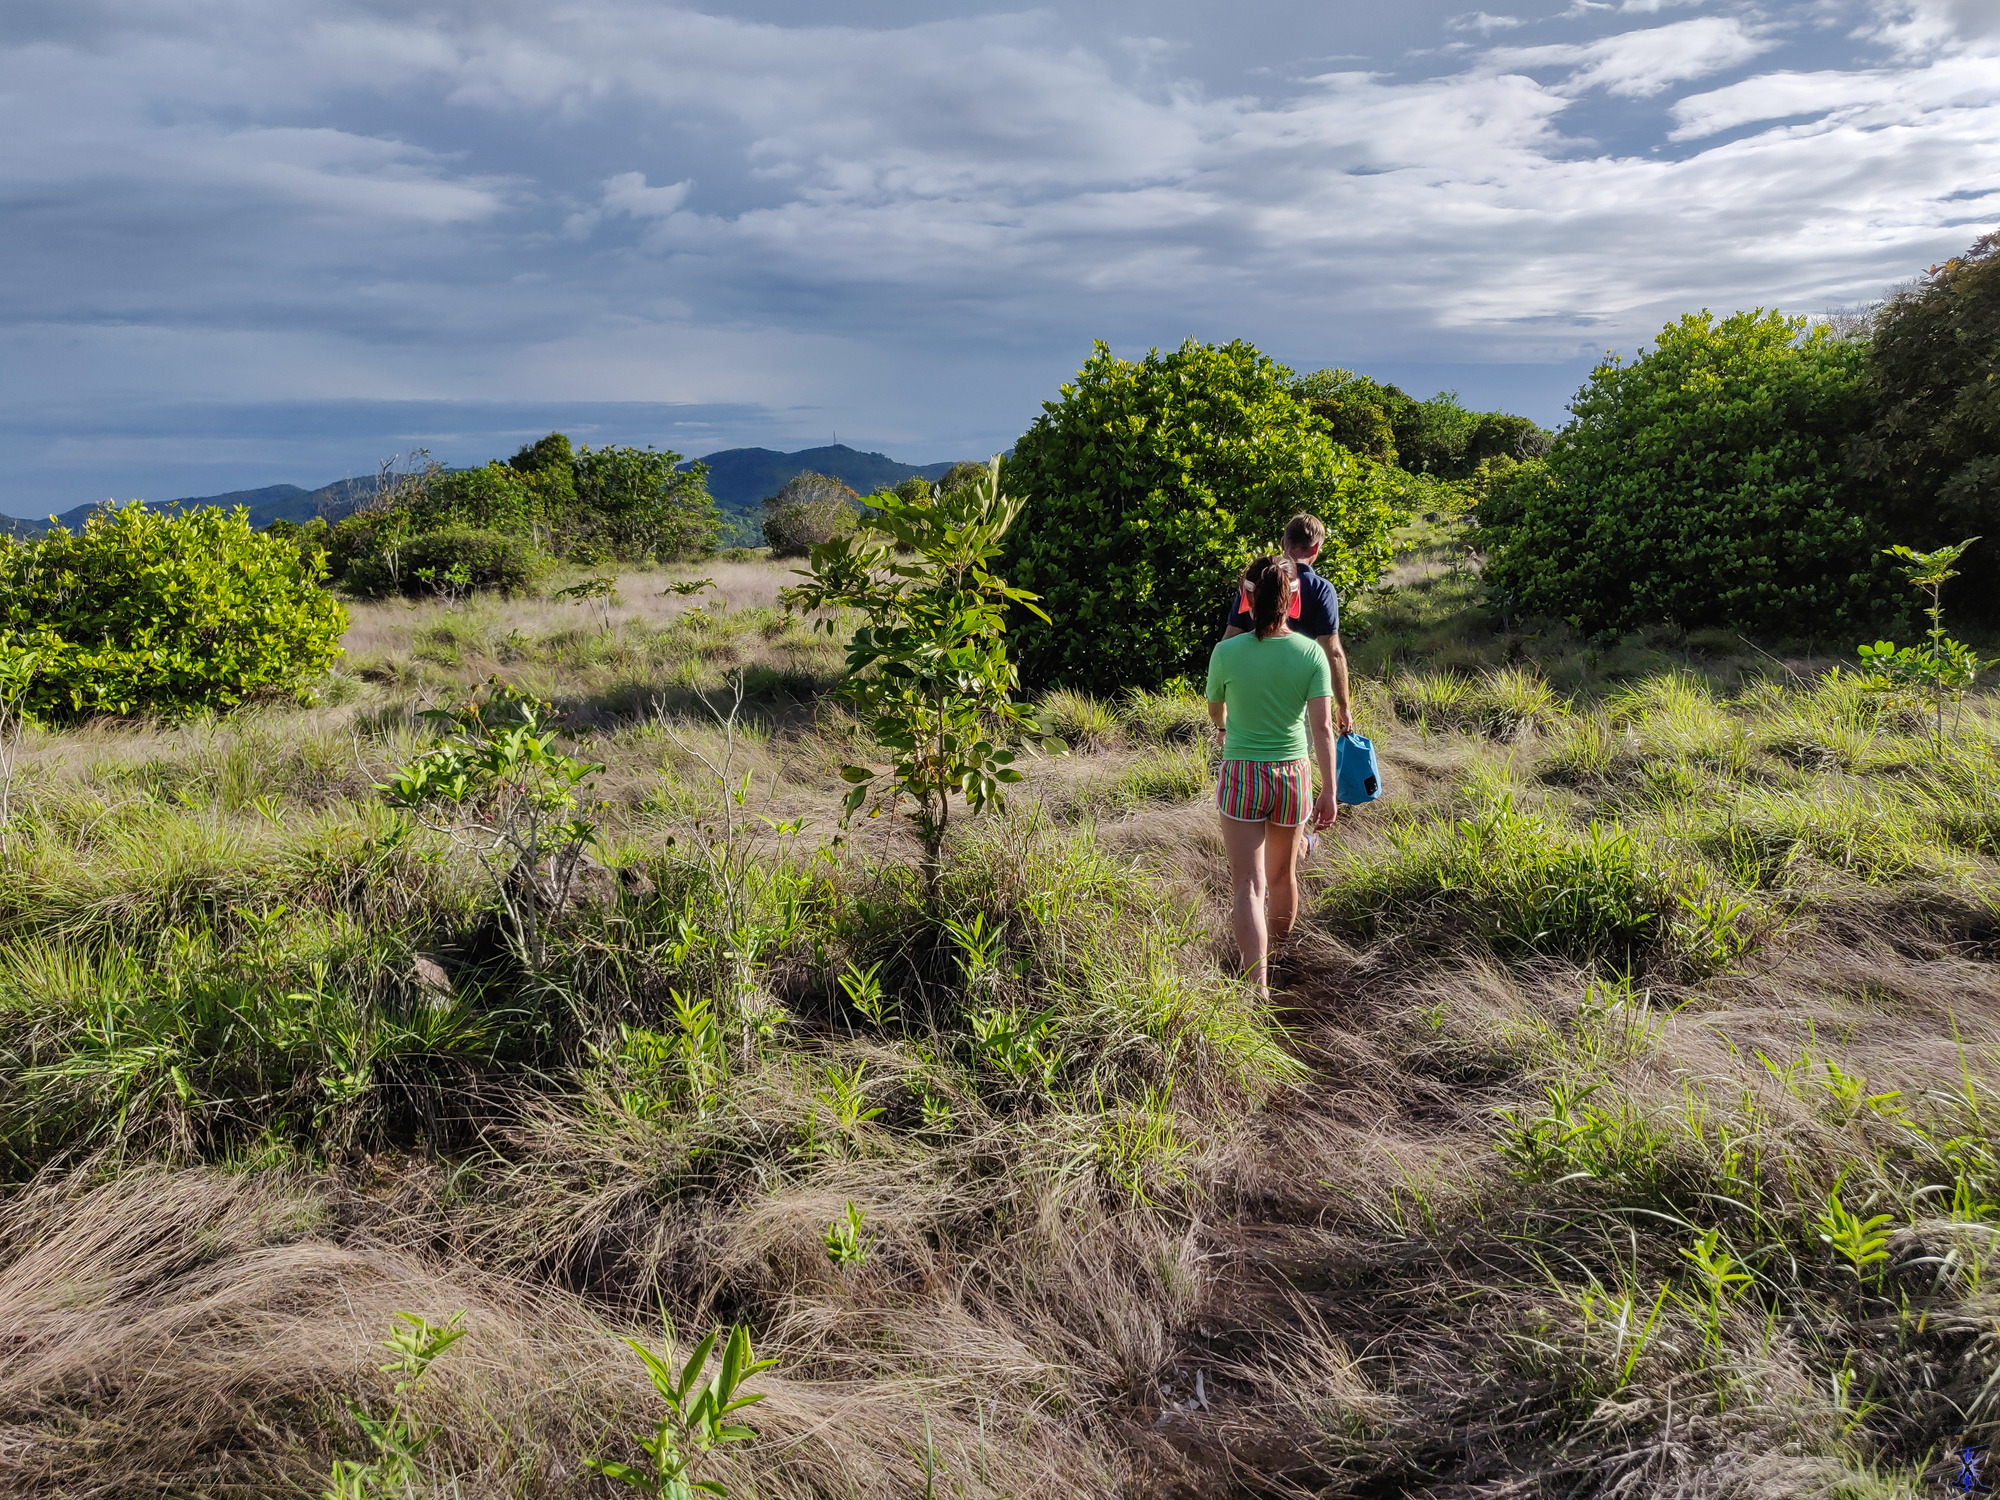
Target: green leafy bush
{"x":810,"y":509}
{"x":308,"y":536}
{"x":1438,"y":437}
{"x":143,"y":611}
{"x":1932,"y":455}
{"x":492,"y":497}
{"x":635,"y":504}
{"x":585,"y":505}
{"x":491,"y":560}
{"x":1149,"y":486}
{"x":1705,"y":483}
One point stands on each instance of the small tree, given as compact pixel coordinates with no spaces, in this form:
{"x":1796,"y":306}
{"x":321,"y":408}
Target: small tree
{"x":1940,"y":665}
{"x":634,"y":504}
{"x":398,"y":1441}
{"x":498,"y":786}
{"x":928,"y":670}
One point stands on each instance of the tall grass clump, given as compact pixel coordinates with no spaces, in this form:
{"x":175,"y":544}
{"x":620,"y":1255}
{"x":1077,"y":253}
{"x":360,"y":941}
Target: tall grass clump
{"x":1527,"y":884}
{"x":1501,"y":703}
{"x":1176,"y":713}
{"x":1078,"y":720}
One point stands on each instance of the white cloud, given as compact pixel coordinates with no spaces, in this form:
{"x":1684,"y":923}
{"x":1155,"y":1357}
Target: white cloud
{"x":1638,"y":64}
{"x":1483,"y":23}
{"x":1950,"y":88}
{"x":1923,"y":28}
{"x":627,"y":193}
{"x":971,"y":192}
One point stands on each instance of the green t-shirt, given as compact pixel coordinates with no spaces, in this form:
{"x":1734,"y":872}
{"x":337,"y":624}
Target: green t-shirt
{"x":1266,"y":685}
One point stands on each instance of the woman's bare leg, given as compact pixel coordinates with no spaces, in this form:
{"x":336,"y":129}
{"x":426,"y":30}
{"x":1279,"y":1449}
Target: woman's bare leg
{"x":1248,"y":890}
{"x":1281,"y":881}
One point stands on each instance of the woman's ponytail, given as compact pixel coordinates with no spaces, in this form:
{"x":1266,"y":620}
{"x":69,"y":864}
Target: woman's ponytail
{"x":1269,"y":582}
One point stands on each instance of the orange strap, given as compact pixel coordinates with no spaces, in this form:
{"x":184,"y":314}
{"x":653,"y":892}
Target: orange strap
{"x":1243,"y":604}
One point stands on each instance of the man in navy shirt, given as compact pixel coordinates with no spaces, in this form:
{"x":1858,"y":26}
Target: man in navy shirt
{"x":1315,"y":611}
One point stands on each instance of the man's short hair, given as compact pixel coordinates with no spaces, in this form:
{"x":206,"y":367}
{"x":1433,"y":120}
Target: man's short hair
{"x":1303,"y":533}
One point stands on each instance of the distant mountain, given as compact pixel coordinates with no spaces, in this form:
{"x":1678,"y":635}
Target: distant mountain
{"x":738,"y":478}
{"x":277,"y":502}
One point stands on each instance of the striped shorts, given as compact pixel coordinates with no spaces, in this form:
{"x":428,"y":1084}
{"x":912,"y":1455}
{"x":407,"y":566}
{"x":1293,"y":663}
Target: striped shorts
{"x":1258,"y":791}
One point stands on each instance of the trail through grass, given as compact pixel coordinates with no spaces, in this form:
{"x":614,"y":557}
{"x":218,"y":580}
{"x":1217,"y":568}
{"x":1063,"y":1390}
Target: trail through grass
{"x":1622,"y":1124}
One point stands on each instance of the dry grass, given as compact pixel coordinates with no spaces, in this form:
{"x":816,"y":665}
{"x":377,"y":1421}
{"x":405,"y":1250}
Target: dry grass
{"x":1424,"y":1230}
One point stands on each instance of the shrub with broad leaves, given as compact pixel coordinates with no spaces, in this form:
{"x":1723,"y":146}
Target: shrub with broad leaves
{"x":153,"y":612}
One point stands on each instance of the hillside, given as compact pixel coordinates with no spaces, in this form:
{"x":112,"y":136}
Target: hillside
{"x":738,"y":478}
{"x":275,"y":502}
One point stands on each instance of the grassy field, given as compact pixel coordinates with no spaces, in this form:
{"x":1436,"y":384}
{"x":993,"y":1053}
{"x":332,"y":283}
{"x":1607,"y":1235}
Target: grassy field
{"x":1619,"y":1127}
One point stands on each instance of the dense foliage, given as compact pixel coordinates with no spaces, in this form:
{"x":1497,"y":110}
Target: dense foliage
{"x":1932,"y":455}
{"x":1439,"y":437}
{"x":634,"y":504}
{"x":1150,"y":484}
{"x":807,"y":510}
{"x":452,"y":558}
{"x":144,"y":611}
{"x":1706,"y":483}
{"x":584,"y":505}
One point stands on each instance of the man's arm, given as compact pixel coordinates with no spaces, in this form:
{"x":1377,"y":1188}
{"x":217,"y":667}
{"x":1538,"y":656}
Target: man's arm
{"x":1336,"y":660}
{"x":1233,"y":630}
{"x":1319,"y":728}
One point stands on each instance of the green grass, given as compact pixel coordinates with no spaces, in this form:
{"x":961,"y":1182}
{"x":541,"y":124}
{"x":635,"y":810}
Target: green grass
{"x":1664,"y":963}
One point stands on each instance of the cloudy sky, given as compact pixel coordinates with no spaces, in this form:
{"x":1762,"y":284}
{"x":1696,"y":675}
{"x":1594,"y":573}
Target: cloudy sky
{"x":252,"y":241}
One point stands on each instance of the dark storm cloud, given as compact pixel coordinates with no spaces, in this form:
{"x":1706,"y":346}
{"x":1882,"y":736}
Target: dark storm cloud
{"x":906,"y":224}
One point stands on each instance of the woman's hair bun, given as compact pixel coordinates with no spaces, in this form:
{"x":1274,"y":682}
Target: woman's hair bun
{"x":1270,"y":581}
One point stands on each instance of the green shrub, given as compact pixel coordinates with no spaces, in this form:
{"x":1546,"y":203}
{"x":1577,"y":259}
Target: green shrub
{"x":148,"y":612}
{"x":1704,"y":483}
{"x":308,"y":536}
{"x":492,"y":497}
{"x":633,"y":504}
{"x":1438,"y":437}
{"x":809,"y":509}
{"x":585,"y":505}
{"x":1930,"y":453}
{"x":491,"y":560}
{"x":1150,"y":484}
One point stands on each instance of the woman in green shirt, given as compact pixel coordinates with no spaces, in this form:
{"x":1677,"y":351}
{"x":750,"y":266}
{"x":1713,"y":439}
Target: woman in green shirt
{"x":1269,"y":694}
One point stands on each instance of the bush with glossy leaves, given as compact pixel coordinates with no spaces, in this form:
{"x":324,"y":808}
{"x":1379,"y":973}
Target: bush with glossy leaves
{"x":1705,"y":483}
{"x":1150,"y":485}
{"x":154,"y":612}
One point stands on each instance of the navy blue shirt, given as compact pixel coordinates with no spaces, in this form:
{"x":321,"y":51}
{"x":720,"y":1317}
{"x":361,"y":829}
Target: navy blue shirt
{"x":1319,"y":607}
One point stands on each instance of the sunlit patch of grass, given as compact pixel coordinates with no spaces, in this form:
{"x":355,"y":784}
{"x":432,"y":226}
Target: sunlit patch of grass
{"x":1501,"y":703}
{"x":1525,"y":883}
{"x":1078,"y":720}
{"x":1168,"y":716}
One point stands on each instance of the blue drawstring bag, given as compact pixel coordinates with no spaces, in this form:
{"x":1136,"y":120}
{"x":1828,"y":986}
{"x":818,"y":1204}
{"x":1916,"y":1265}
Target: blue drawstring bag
{"x":1356,"y":777}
